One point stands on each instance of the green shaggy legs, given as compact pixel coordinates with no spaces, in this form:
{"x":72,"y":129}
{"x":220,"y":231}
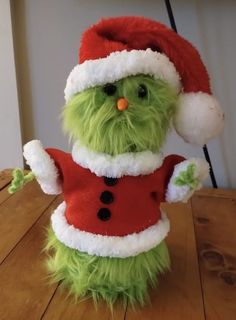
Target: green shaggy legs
{"x":104,"y":277}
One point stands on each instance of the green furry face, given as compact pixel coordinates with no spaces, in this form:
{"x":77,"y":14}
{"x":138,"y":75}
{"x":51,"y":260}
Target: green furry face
{"x":92,"y":116}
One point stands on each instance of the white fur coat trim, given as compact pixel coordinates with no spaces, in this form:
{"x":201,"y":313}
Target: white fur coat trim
{"x":118,"y":65}
{"x":107,"y":246}
{"x":126,"y":164}
{"x":183,"y":193}
{"x":43,"y":167}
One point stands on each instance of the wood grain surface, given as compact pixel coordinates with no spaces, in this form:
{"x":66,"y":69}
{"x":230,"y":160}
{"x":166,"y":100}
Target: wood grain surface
{"x":22,"y":274}
{"x":5,"y":178}
{"x":179,"y":293}
{"x":18,"y":213}
{"x":200,"y":285}
{"x":63,"y":307}
{"x":215,"y":225}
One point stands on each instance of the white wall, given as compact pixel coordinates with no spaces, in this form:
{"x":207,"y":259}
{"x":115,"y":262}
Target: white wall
{"x":47,"y":39}
{"x":10,"y":133}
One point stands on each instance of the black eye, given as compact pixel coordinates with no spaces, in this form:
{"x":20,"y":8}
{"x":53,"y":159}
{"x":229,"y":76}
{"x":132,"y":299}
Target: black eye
{"x":142,"y":91}
{"x":109,"y":89}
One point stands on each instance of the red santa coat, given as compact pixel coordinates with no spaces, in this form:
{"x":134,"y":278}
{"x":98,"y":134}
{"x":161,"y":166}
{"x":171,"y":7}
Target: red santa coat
{"x":111,"y":204}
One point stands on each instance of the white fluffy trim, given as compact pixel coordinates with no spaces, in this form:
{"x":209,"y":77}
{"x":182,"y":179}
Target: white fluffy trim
{"x":199,"y":117}
{"x":107,"y":246}
{"x":126,"y":164}
{"x":183,"y":193}
{"x":118,"y":65}
{"x":43,"y":167}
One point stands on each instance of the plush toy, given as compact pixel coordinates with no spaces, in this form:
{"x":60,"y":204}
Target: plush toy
{"x":135,"y":78}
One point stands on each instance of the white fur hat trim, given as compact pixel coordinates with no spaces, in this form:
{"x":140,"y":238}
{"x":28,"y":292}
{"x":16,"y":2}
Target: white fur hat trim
{"x":199,"y":117}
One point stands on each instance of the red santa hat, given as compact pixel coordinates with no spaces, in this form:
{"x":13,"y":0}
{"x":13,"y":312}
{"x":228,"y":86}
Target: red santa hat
{"x":115,"y":48}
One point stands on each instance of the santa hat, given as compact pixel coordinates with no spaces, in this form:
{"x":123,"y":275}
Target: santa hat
{"x":119,"y":47}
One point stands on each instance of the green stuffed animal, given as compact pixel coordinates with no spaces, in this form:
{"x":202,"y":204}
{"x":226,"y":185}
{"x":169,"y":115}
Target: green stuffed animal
{"x":135,"y":78}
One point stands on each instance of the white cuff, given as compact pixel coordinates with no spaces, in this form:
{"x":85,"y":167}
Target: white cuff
{"x":177,"y":193}
{"x":43,"y":167}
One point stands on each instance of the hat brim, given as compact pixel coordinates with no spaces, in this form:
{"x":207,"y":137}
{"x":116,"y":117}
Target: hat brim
{"x":119,"y":65}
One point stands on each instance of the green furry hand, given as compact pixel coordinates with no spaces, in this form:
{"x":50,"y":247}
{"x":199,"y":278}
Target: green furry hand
{"x":19,"y":180}
{"x":187,"y":177}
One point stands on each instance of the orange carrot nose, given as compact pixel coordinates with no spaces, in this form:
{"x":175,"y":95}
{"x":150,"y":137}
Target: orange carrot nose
{"x":122,"y":104}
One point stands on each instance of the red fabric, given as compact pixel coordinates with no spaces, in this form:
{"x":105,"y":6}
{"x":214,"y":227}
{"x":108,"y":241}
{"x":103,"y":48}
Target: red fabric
{"x":136,"y":204}
{"x":127,"y":33}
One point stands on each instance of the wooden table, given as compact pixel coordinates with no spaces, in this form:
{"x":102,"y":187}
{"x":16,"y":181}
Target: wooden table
{"x":201,"y":284}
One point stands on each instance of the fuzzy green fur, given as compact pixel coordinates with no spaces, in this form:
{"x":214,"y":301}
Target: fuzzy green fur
{"x":187,"y":178}
{"x":19,"y":180}
{"x":92,"y":117}
{"x":103,"y":277}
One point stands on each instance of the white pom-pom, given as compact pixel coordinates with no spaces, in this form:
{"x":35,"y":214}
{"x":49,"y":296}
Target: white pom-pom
{"x":199,"y":117}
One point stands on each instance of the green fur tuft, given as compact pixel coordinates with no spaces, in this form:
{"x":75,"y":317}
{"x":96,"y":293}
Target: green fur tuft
{"x":19,"y":180}
{"x":103,"y":277}
{"x":92,"y":117}
{"x":187,"y":178}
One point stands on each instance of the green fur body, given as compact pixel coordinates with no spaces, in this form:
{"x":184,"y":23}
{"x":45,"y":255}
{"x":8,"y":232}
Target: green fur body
{"x":92,"y":117}
{"x":103,"y":277}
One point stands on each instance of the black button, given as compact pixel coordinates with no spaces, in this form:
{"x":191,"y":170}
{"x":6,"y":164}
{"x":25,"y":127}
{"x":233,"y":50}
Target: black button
{"x":104,"y":214}
{"x":106,"y":197}
{"x":110,"y":181}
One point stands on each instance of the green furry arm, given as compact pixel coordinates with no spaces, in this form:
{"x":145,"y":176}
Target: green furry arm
{"x":187,"y":177}
{"x":19,"y":180}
